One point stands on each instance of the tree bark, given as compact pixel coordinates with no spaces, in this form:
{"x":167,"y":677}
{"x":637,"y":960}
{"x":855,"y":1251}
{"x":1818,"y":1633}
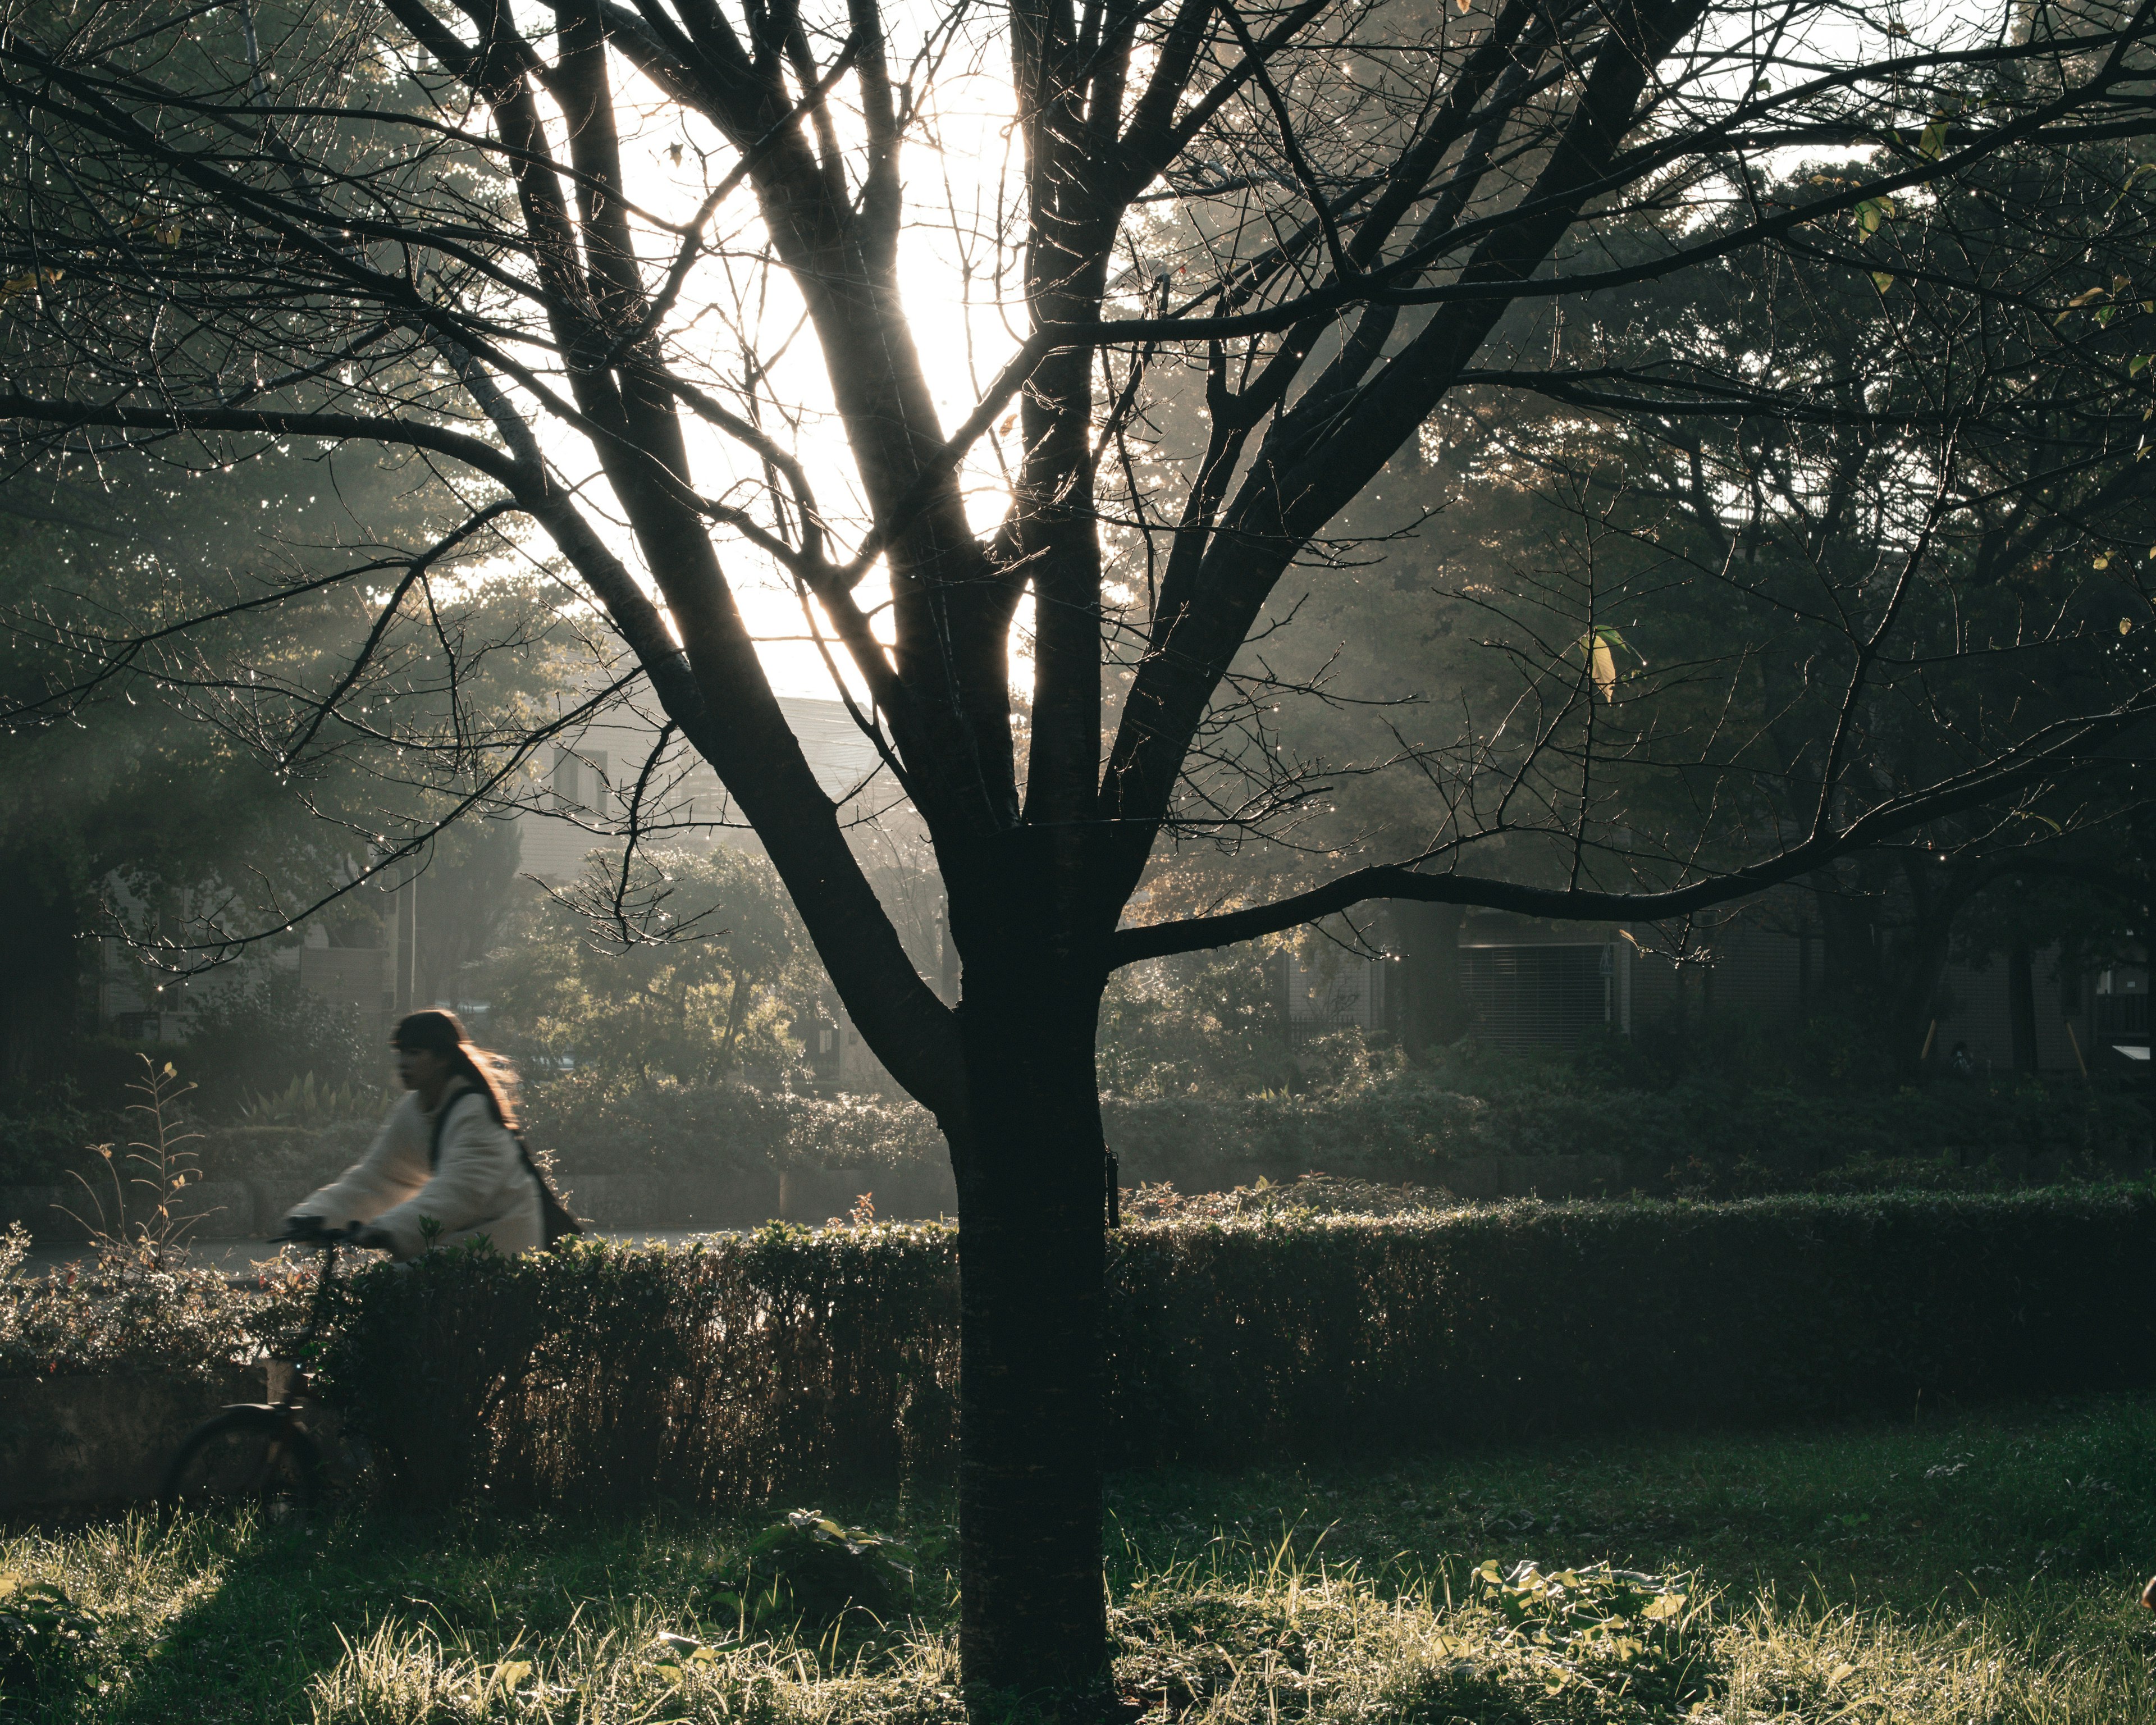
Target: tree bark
{"x":41,"y":961}
{"x":1433,"y":1013}
{"x":2021,"y":1003}
{"x":1032,"y":1258}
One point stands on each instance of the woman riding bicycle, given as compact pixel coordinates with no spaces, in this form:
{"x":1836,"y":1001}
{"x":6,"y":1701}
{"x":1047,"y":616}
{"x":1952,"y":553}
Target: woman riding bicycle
{"x":447,"y":1155}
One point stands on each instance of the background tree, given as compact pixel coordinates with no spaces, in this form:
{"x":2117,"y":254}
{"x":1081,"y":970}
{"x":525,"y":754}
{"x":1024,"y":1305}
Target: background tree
{"x":161,"y":788}
{"x":446,"y":230}
{"x":626,"y":982}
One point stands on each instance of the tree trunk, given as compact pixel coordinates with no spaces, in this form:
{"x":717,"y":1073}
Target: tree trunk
{"x":41,"y":961}
{"x":736,"y":1011}
{"x":1434,"y":1014}
{"x":2021,"y":1004}
{"x":1031,"y":1255}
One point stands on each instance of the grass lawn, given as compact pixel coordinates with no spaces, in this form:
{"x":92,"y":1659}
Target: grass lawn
{"x":1955,"y":1570}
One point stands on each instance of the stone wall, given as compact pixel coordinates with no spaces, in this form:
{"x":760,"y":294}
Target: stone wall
{"x":103,"y":1438}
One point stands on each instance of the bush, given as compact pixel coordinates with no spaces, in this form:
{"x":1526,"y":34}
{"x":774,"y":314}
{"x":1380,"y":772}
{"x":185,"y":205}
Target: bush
{"x":1410,"y":1126}
{"x":244,"y":1043}
{"x":729,"y":1372}
{"x":289,"y":1155}
{"x":697,"y":1129}
{"x":788,"y":1361}
{"x":1333,"y":1335}
{"x":1423,"y":1126}
{"x":42,"y":1139}
{"x":1697,"y":1138}
{"x":128,"y":1311}
{"x":808,"y":1573}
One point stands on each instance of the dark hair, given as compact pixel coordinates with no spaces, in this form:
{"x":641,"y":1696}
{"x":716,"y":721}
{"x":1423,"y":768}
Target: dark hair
{"x":443,"y":1033}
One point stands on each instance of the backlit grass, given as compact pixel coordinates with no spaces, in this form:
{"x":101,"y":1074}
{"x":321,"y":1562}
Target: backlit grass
{"x":1980,"y":1568}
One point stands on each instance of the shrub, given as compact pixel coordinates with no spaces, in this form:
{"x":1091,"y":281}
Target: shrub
{"x":246,"y":1041}
{"x":1697,"y":1138}
{"x":788,"y":1361}
{"x":289,"y":1155}
{"x":728,"y":1371}
{"x":129,"y":1310}
{"x":42,"y":1139}
{"x":44,"y":1637}
{"x":1331,"y":1335}
{"x":676,"y":1129}
{"x":1420,"y":1126}
{"x":809,"y":1572}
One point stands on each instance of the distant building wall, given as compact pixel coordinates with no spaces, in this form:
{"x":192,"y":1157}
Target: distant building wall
{"x":592,"y":779}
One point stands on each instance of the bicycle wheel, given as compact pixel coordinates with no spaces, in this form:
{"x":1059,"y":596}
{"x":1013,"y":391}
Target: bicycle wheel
{"x":252,"y":1455}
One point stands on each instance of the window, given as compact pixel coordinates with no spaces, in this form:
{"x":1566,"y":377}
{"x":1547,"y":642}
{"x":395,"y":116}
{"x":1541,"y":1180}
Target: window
{"x":579,"y":781}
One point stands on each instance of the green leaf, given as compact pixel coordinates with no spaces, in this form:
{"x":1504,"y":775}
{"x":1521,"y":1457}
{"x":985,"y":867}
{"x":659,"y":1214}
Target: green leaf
{"x":1933,"y":143}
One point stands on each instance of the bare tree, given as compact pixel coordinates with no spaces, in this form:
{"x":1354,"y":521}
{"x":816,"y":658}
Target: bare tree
{"x":440,"y":226}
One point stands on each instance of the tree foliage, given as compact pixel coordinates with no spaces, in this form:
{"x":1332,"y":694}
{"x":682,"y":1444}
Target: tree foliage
{"x":707,"y":978}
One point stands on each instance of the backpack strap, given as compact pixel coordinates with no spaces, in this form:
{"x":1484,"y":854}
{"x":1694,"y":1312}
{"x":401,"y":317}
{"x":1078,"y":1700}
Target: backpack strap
{"x":441,"y":1120}
{"x":554,"y":1220}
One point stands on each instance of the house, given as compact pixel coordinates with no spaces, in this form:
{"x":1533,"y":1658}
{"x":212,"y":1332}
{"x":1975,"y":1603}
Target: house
{"x":1522,"y":984}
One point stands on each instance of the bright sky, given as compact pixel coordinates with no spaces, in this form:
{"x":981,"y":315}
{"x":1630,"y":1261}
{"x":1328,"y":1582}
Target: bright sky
{"x":960,"y":171}
{"x":966,"y":323}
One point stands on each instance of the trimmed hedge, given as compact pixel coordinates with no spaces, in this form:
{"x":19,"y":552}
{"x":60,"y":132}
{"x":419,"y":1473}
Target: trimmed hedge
{"x":1407,"y":1127}
{"x":728,"y":1371}
{"x":742,"y":1369}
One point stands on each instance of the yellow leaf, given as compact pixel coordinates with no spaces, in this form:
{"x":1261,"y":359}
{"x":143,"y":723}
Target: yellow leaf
{"x":510,"y":1674}
{"x":1603,"y":668}
{"x":15,"y":284}
{"x":1935,"y":141}
{"x":2126,"y":625}
{"x":1883,"y":279}
{"x":2103,"y":563}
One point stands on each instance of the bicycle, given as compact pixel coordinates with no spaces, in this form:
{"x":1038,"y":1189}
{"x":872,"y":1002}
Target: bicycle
{"x":261,"y":1452}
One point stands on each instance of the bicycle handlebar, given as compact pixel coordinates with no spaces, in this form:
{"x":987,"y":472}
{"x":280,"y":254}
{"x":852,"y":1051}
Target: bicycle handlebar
{"x":318,"y":1234}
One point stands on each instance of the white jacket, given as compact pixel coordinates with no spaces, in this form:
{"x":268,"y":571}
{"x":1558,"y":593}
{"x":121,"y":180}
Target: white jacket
{"x":478,"y":1187}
